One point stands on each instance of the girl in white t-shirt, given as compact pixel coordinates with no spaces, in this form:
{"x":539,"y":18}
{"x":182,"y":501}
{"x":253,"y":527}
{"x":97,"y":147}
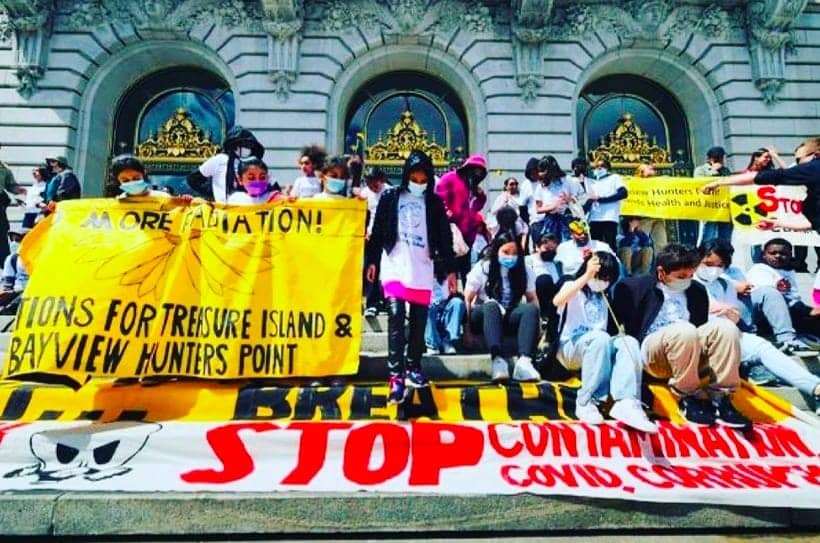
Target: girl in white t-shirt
{"x":609,"y":365}
{"x":311,"y":161}
{"x":493,"y":292}
{"x":253,"y":176}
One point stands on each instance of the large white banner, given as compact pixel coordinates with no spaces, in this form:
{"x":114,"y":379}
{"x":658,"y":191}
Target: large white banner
{"x":769,"y":465}
{"x":757,"y":209}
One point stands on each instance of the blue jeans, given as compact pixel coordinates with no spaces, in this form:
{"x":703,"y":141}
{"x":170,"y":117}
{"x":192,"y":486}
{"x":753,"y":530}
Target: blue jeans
{"x":609,"y":365}
{"x":444,"y":322}
{"x":715,"y":230}
{"x":756,"y":349}
{"x":767,"y":303}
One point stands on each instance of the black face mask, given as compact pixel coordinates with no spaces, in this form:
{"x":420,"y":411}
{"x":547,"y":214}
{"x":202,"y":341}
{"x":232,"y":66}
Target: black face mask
{"x":547,"y":256}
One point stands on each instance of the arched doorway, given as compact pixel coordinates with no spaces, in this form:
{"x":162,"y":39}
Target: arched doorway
{"x":630,"y":120}
{"x":399,"y":112}
{"x":173,"y":120}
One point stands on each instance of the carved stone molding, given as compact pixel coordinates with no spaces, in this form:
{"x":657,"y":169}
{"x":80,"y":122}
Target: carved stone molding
{"x":530,"y":29}
{"x":283,"y":21}
{"x":155,"y":18}
{"x":404,"y":18}
{"x":27,"y":23}
{"x":771,"y":38}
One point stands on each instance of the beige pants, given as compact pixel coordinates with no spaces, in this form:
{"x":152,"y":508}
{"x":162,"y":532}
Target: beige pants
{"x":657,"y":229}
{"x":682,"y":353}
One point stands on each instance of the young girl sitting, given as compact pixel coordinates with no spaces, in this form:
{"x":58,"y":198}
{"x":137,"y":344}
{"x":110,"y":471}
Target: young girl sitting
{"x":253,"y":176}
{"x":410,"y":237}
{"x":493,"y":293}
{"x":609,"y":365}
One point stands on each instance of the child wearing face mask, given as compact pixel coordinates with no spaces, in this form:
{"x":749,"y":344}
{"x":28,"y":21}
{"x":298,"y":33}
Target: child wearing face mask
{"x":15,"y":276}
{"x":668,"y":314}
{"x":716,"y":256}
{"x":253,"y":176}
{"x":217,"y":178}
{"x":335,"y":178}
{"x":412,"y":241}
{"x":610,"y":363}
{"x":543,"y":266}
{"x":129,"y":176}
{"x":493,"y":293}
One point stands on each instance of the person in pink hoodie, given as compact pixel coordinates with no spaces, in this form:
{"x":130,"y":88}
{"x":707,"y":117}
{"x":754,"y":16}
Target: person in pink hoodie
{"x":464,"y":199}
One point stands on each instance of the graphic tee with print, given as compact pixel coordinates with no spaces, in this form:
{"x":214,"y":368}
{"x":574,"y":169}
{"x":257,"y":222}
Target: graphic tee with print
{"x":407,"y":272}
{"x":306,"y":187}
{"x":673,"y":310}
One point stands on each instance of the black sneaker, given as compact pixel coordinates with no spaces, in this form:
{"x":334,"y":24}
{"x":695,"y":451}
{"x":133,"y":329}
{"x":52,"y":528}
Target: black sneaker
{"x":797,"y":347}
{"x":727,"y":415}
{"x":697,"y":411}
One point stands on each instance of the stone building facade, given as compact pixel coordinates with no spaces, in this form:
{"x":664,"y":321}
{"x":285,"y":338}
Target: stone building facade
{"x":89,"y":79}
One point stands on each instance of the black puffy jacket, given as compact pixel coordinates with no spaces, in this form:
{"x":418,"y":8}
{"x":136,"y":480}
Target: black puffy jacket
{"x":385,"y":231}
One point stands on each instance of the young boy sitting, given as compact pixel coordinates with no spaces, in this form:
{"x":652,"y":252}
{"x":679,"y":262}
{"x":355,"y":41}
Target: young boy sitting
{"x":775,"y":270}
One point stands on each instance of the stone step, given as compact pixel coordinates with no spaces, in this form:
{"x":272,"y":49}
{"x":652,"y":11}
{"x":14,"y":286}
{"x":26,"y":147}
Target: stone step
{"x":373,"y":366}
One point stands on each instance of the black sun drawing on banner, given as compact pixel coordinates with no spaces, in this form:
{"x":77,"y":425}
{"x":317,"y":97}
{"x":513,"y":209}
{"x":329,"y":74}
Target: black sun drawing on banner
{"x":219,"y":263}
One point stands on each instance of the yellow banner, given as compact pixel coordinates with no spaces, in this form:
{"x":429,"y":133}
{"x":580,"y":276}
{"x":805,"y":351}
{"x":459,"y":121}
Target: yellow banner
{"x":675,"y":198}
{"x":139,"y":288}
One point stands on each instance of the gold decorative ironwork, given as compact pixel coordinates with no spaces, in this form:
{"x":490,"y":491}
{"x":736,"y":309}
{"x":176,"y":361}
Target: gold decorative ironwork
{"x":178,"y":140}
{"x":406,"y":136}
{"x":628,"y":145}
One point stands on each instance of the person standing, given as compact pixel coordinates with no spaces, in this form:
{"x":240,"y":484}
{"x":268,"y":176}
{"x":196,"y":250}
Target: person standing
{"x":552,"y":199}
{"x":714,"y":167}
{"x":411,"y":237}
{"x":311,"y":161}
{"x":217,"y":177}
{"x":8,"y":185}
{"x":656,"y":228}
{"x":605,"y":191}
{"x":64,"y":185}
{"x":464,"y":199}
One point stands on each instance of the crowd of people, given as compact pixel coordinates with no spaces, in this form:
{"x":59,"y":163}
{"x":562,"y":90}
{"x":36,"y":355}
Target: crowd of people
{"x":552,"y":274}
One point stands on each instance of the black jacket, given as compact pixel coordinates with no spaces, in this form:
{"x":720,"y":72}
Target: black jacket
{"x":385,"y":231}
{"x":638,"y":301}
{"x":803,"y":174}
{"x":235,"y":138}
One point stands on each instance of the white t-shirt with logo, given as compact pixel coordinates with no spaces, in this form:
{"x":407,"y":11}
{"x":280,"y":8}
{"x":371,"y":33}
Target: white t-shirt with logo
{"x":603,"y":188}
{"x":306,"y":187}
{"x":245,"y":199}
{"x":372,"y":203}
{"x":409,"y":262}
{"x":674,"y":309}
{"x":763,"y":275}
{"x":479,"y":276}
{"x":583,"y":314}
{"x":216,"y":169}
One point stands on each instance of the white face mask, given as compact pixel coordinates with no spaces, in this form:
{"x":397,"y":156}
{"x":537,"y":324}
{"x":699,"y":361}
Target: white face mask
{"x":598,"y":172}
{"x":597,"y":285}
{"x":244,"y":152}
{"x":679,"y":285}
{"x":416,"y":189}
{"x":709,"y":274}
{"x":14,"y":247}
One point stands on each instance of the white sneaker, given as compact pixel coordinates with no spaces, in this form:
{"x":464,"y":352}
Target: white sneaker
{"x":630,"y":412}
{"x":501,"y":371}
{"x":588,"y":413}
{"x":447,"y":347}
{"x":523,"y":370}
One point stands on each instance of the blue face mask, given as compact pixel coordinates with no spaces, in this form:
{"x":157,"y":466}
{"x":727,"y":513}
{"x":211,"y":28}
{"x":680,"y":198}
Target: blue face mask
{"x":416,"y":189}
{"x":335,"y":186}
{"x":134,"y":188}
{"x":508,"y":262}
